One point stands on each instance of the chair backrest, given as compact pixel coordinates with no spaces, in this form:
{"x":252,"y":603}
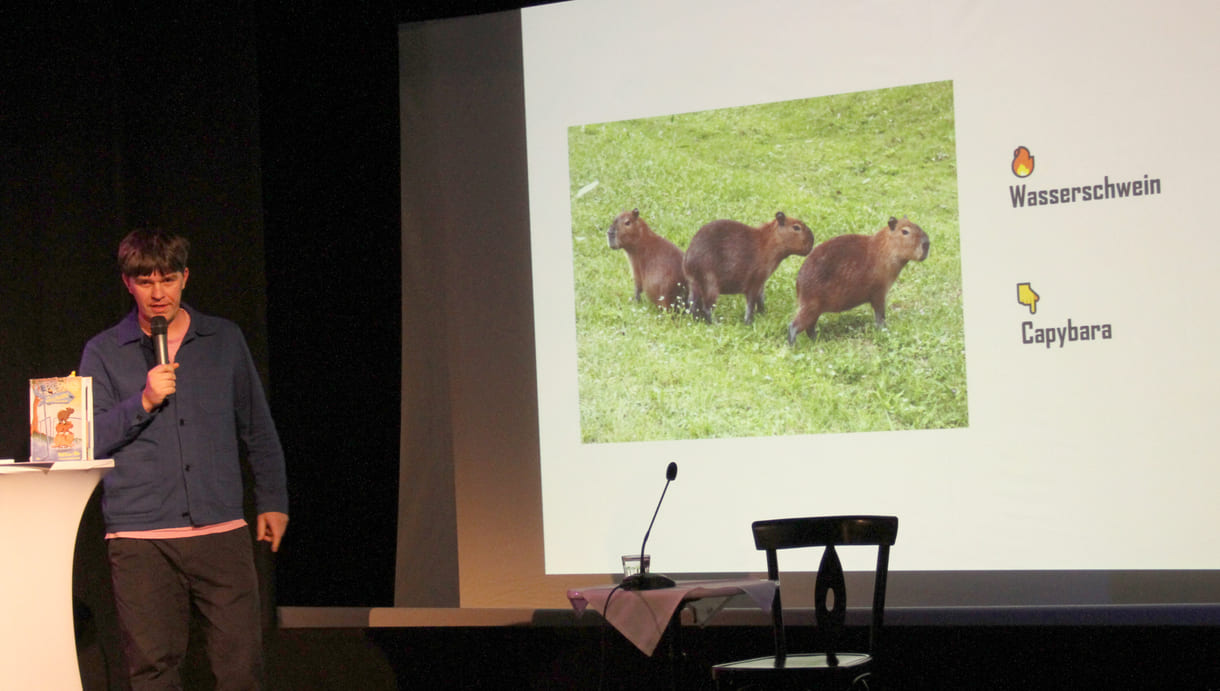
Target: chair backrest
{"x":828,"y":532}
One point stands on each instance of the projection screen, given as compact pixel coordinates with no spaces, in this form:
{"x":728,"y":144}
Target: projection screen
{"x":1056,"y":416}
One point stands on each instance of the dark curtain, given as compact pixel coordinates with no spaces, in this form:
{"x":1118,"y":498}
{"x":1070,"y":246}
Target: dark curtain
{"x":269,"y":138}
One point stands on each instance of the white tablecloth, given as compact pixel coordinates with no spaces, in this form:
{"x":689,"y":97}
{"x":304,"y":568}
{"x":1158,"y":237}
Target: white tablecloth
{"x":643,"y":615}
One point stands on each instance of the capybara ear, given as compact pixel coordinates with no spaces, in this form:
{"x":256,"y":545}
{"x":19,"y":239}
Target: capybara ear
{"x":779,"y":216}
{"x":635,"y":213}
{"x":893,"y":222}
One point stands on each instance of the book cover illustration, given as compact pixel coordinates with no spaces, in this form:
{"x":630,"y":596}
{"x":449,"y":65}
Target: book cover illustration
{"x":61,"y":419}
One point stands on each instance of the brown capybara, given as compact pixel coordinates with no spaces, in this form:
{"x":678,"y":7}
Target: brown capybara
{"x":850,"y":270}
{"x":728,"y":257}
{"x":656,"y":263}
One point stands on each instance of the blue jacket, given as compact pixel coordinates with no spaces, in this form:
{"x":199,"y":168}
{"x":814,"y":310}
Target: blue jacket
{"x":179,"y":465}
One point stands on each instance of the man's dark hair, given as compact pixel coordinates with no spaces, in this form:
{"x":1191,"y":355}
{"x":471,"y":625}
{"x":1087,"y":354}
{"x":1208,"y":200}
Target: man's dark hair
{"x":152,"y":250}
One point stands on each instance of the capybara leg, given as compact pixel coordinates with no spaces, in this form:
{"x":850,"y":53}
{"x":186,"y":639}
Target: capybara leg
{"x":694,"y":301}
{"x":754,"y":305}
{"x":709,"y":304}
{"x":802,"y":322}
{"x":699,"y":308}
{"x":794,"y":330}
{"x":879,"y":311}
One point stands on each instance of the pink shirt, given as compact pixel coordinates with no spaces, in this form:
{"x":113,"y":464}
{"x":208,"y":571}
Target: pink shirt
{"x":185,"y":531}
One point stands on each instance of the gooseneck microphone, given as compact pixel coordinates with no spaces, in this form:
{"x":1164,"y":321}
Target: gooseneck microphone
{"x":159,"y":328}
{"x":645,"y":580}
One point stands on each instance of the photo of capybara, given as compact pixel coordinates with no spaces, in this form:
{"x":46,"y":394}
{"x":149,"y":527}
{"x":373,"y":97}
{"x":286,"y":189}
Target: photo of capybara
{"x":656,"y":263}
{"x":850,"y":270}
{"x":729,"y":257}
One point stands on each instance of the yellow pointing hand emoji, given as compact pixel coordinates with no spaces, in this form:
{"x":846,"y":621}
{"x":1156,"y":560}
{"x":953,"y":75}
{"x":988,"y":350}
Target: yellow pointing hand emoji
{"x":1027,"y":296}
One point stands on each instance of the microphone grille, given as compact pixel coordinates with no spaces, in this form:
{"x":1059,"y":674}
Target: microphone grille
{"x":672,"y":471}
{"x":158,"y":325}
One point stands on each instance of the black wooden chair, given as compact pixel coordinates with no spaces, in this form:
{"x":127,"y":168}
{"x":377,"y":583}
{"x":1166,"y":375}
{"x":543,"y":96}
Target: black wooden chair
{"x":829,"y":666}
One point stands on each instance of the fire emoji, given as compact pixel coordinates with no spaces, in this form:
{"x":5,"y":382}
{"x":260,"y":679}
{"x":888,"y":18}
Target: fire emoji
{"x":1022,"y":162}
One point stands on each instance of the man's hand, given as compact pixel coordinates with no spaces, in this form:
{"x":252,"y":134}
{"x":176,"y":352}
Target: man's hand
{"x":271,"y":527}
{"x":162,"y":381}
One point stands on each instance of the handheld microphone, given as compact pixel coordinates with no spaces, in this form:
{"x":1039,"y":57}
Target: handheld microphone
{"x":159,"y":328}
{"x":645,"y":580}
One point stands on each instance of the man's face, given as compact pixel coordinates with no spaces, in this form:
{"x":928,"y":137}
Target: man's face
{"x":157,"y":294}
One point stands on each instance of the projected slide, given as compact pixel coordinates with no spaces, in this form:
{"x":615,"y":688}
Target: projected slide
{"x":844,"y":164}
{"x":1041,"y":392}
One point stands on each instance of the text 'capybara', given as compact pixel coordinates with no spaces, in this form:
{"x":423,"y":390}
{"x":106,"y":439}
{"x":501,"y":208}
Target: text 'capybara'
{"x":656,"y":263}
{"x":729,"y":257}
{"x":850,"y":270}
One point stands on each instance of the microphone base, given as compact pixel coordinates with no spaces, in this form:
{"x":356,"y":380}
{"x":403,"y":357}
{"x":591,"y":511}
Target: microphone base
{"x":647,"y":581}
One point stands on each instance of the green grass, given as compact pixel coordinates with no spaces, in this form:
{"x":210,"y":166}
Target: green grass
{"x":843,"y":164}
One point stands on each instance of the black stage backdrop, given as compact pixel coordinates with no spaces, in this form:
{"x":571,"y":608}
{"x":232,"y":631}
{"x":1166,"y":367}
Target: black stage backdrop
{"x":268,"y":134}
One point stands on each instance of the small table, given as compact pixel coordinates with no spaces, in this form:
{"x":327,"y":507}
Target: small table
{"x":40,"y":508}
{"x":643,"y":615}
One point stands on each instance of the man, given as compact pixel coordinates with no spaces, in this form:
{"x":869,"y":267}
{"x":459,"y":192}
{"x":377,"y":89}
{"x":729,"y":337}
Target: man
{"x":176,"y":535}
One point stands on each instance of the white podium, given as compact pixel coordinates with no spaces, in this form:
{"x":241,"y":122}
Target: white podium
{"x":40,"y":508}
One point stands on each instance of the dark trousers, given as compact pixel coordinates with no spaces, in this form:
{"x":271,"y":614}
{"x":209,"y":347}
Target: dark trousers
{"x":157,"y":585}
